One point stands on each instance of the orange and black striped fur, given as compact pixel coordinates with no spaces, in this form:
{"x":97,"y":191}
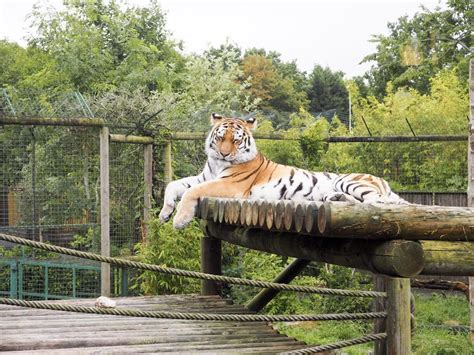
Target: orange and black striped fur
{"x":236,"y":169}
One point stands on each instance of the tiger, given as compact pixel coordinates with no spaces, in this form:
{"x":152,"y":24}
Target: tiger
{"x":236,"y":169}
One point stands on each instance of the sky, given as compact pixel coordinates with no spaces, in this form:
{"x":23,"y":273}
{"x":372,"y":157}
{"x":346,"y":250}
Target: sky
{"x":334,"y":33}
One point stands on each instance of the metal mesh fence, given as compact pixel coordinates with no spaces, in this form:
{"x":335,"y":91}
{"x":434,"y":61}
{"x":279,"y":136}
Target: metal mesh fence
{"x":126,"y":197}
{"x":50,"y":191}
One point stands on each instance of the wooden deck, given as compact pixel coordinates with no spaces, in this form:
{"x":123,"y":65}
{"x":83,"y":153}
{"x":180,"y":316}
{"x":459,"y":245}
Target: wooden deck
{"x":27,"y":331}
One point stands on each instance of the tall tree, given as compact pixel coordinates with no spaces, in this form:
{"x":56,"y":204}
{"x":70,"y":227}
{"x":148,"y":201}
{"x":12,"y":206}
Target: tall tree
{"x":328,"y":92}
{"x":101,"y":45}
{"x":419,"y":47}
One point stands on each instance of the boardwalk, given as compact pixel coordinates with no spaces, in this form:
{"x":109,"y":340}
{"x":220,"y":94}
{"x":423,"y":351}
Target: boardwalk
{"x":27,"y":331}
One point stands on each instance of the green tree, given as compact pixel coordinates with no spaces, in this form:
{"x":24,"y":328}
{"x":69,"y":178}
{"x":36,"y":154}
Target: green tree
{"x":419,"y":47}
{"x":100,"y":45}
{"x":327,"y":91}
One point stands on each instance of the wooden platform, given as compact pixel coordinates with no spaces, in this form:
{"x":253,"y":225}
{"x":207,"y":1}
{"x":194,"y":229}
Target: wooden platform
{"x":27,"y":331}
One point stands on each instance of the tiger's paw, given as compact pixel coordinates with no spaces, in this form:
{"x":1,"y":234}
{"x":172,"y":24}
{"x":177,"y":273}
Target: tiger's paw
{"x":183,"y":217}
{"x":166,"y":212}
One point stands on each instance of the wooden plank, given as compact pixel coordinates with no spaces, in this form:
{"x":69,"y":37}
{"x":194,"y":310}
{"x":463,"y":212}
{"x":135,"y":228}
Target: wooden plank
{"x":44,"y":331}
{"x":104,"y":211}
{"x":398,"y":316}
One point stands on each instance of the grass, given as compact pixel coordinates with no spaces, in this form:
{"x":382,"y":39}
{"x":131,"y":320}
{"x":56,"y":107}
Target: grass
{"x":435,"y":309}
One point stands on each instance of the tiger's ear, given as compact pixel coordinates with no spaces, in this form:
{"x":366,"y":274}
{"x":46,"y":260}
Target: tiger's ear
{"x":251,"y":123}
{"x":215,"y":118}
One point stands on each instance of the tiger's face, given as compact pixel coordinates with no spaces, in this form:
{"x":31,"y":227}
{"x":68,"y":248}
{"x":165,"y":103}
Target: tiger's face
{"x":230,"y":139}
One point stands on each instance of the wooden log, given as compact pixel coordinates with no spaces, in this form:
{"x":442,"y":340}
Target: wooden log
{"x":122,"y":138}
{"x":269,"y":214}
{"x":398,"y":316}
{"x":53,"y":121}
{"x":264,"y":297}
{"x":244,"y":213}
{"x":227,"y":211}
{"x":359,"y":139}
{"x":311,"y":218}
{"x":288,"y":220}
{"x":298,"y":217}
{"x":262,"y":213}
{"x":104,"y":211}
{"x":380,"y":305}
{"x":221,"y":210}
{"x":279,"y":214}
{"x":235,"y":215}
{"x":447,"y":258}
{"x":211,"y":263}
{"x":442,"y":285}
{"x":416,"y":222}
{"x":394,"y":257}
{"x":168,"y":163}
{"x":255,"y":210}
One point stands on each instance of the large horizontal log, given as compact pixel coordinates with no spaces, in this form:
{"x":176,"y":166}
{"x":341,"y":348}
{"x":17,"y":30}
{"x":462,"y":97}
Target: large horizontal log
{"x":447,"y":258}
{"x":384,"y":221}
{"x":360,"y":139}
{"x":401,"y":258}
{"x":53,"y":121}
{"x":131,"y":139}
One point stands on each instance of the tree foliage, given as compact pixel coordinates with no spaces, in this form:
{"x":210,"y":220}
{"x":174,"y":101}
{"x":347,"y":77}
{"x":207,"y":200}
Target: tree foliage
{"x":417,"y":48}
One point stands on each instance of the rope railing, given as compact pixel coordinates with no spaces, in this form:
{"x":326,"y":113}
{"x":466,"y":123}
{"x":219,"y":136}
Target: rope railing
{"x":192,"y":316}
{"x":341,"y":344}
{"x":187,"y":273}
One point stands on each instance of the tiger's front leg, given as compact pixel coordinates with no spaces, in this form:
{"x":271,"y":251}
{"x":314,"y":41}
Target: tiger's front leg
{"x":174,"y":191}
{"x":187,"y":206}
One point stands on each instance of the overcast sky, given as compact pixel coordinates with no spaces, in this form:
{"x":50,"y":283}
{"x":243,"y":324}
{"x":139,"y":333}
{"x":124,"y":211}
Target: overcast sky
{"x":330,"y":33}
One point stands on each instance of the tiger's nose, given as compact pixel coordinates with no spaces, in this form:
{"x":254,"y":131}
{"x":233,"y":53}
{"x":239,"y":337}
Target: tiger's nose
{"x":225,"y":154}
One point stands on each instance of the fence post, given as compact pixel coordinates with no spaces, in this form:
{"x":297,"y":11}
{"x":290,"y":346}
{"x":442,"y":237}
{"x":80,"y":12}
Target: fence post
{"x":211,"y":263}
{"x":398,"y":316}
{"x":104,"y":211}
{"x":167,"y":158}
{"x":380,"y":284}
{"x":148,"y":182}
{"x":470,"y":181}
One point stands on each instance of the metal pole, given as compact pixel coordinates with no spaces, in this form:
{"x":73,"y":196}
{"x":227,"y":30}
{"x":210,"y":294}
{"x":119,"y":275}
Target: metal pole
{"x":104,"y":210}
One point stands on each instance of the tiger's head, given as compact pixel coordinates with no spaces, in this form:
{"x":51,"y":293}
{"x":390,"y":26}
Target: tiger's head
{"x":230,"y":139}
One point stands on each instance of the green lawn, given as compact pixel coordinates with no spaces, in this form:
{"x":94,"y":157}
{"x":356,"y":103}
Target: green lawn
{"x":430,"y":310}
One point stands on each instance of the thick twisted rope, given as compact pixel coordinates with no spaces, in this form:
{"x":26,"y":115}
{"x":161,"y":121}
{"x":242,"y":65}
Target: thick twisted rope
{"x":186,"y":273}
{"x":338,"y":345}
{"x":192,"y":316}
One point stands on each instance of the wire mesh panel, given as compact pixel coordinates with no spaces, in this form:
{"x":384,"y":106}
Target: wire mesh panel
{"x":49,"y":184}
{"x":126,"y":197}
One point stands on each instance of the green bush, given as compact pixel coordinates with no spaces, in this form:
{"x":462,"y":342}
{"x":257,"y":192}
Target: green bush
{"x":173,"y":248}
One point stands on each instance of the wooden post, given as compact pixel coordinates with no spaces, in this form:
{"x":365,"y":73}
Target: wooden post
{"x":148,"y":184}
{"x":104,"y":211}
{"x":167,"y":158}
{"x":398,"y":316}
{"x":264,"y":297}
{"x":380,"y":284}
{"x":470,"y":182}
{"x":211,"y":263}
